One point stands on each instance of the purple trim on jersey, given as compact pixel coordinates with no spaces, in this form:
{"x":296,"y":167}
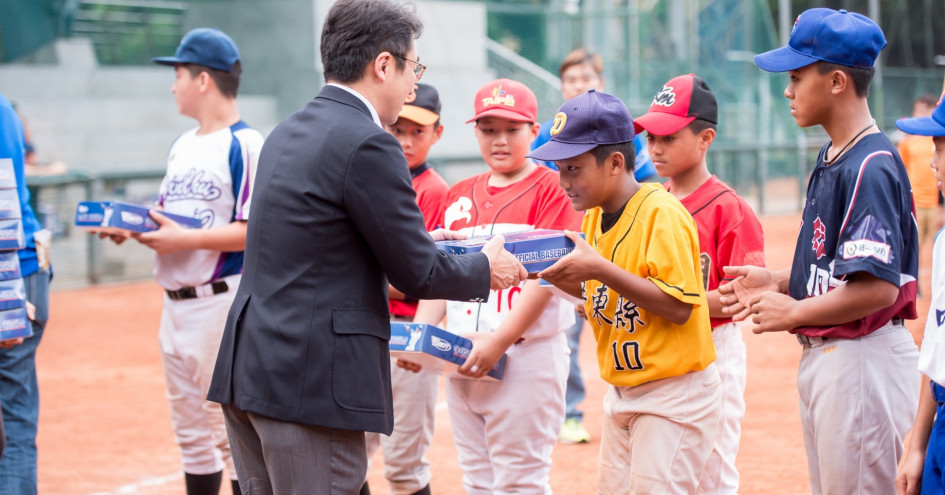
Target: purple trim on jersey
{"x":239,"y":171}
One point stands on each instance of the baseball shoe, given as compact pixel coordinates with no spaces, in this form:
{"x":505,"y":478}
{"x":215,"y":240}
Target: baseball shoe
{"x":573,"y":431}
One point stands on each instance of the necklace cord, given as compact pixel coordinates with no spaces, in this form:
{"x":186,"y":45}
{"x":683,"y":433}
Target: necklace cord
{"x":830,"y":162}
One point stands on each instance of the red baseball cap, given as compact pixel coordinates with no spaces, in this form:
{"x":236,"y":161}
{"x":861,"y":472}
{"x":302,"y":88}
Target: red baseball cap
{"x":682,"y":100}
{"x":507,"y":99}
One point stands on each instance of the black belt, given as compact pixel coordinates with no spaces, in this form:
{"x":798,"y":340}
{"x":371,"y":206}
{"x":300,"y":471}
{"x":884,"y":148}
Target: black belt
{"x":218,"y":287}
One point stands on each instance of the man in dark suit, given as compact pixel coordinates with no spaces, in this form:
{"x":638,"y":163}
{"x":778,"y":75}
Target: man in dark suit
{"x":304,"y":368}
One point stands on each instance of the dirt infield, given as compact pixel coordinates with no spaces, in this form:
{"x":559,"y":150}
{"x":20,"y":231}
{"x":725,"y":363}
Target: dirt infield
{"x":105,"y":426}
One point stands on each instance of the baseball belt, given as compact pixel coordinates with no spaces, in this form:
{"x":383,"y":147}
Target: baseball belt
{"x":218,"y":287}
{"x":806,"y":341}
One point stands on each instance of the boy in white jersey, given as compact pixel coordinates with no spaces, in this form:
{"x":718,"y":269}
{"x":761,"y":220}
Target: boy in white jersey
{"x":638,"y":273}
{"x":505,"y":431}
{"x":210,"y":172}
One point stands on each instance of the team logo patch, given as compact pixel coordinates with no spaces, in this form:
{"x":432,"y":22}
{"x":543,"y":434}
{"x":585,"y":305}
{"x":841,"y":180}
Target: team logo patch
{"x":666,"y":97}
{"x":865,"y":248}
{"x":817,"y":244}
{"x":499,"y":97}
{"x":795,"y":24}
{"x":560,"y":119}
{"x":940,"y":317}
{"x":457,"y":211}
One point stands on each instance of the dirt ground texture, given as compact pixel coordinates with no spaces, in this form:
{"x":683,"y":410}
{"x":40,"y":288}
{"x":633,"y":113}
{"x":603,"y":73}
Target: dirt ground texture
{"x":105,"y":426}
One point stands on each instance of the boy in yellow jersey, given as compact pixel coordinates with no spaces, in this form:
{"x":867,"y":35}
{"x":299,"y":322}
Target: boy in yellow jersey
{"x":639,"y":275}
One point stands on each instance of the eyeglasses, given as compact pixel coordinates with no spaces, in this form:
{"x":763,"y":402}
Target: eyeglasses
{"x":419,"y":68}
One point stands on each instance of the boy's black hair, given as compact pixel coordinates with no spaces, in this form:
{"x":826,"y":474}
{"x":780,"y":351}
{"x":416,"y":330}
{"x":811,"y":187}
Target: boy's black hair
{"x":700,"y":125}
{"x":629,"y":152}
{"x":227,"y":82}
{"x":357,"y":31}
{"x":861,"y":77}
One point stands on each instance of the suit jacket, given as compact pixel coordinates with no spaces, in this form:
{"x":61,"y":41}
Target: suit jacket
{"x":333,"y":218}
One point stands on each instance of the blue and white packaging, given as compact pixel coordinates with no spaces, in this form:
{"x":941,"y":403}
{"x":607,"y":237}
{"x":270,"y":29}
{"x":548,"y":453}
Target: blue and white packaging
{"x":9,"y":265}
{"x":434,"y":348}
{"x":7,"y":175}
{"x":9,"y":204}
{"x":14,"y":323}
{"x":11,"y":234}
{"x":535,"y":249}
{"x":117,"y":217}
{"x":12,"y":294}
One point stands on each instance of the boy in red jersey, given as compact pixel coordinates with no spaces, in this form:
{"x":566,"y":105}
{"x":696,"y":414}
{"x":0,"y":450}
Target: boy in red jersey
{"x":505,"y":431}
{"x":406,"y":468}
{"x":680,"y":127}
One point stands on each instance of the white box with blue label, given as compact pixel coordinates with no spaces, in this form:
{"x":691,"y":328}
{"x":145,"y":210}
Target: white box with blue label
{"x":9,"y":204}
{"x":121,"y":218}
{"x":9,"y":265}
{"x":14,"y":323}
{"x":7,"y":174}
{"x":434,"y":348}
{"x":535,"y":249}
{"x":11,"y":234}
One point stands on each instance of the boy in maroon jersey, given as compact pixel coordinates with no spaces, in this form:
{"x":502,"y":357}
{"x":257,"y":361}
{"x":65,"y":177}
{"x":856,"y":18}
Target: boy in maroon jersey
{"x":680,"y":127}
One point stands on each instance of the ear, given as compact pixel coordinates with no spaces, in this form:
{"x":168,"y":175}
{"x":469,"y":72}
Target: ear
{"x":383,"y":66}
{"x":437,"y":133}
{"x":705,"y":138}
{"x":616,"y":161}
{"x":536,"y":128}
{"x":839,"y":81}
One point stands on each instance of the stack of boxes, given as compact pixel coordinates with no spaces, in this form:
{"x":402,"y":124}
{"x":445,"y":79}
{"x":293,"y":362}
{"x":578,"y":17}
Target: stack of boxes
{"x":14,"y":322}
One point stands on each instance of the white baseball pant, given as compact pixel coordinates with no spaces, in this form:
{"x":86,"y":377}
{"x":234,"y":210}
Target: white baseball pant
{"x":858,"y":399}
{"x":189,"y":335}
{"x":657,"y":437}
{"x":720,"y":476}
{"x":405,"y":464}
{"x":505,"y":431}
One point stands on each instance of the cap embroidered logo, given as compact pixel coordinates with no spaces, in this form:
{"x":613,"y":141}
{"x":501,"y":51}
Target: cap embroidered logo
{"x":666,"y":97}
{"x":560,"y":119}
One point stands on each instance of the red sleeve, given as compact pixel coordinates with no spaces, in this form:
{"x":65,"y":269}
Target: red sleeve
{"x":430,"y":196}
{"x":555,"y":210}
{"x":741,"y":240}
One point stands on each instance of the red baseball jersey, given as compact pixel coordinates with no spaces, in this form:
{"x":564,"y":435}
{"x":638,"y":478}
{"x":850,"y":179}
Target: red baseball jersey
{"x":475,"y":208}
{"x":729,"y":233}
{"x":431,"y":190}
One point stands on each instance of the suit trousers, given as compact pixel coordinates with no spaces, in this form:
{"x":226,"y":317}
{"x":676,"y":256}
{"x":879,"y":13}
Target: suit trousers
{"x":274,"y":456}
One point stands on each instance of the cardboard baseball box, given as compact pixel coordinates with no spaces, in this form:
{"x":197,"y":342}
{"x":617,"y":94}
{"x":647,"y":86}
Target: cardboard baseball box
{"x":535,"y":249}
{"x":122,"y":218}
{"x":12,"y":294}
{"x":9,"y":265}
{"x":7,"y":175}
{"x":9,"y":204}
{"x":11,"y":234}
{"x":434,"y":348}
{"x":14,"y":323}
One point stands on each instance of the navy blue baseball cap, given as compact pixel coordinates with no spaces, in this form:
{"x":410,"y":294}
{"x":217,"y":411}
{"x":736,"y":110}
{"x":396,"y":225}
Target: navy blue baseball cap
{"x":584,"y":123}
{"x":834,"y":36}
{"x":208,"y":47}
{"x":933,"y":125}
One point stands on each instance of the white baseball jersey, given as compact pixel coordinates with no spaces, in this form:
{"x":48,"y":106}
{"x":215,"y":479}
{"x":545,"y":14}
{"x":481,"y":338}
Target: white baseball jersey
{"x":475,"y":208}
{"x":209,"y":176}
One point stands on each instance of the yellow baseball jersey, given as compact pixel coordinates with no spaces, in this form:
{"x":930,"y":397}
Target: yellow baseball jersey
{"x":655,"y":238}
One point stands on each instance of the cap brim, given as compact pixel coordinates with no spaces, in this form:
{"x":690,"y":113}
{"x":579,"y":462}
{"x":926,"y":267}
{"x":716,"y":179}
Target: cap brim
{"x":783,"y":59}
{"x":419,"y":115}
{"x":503,"y":113}
{"x":660,"y":124}
{"x":921,"y":126}
{"x":167,"y":60}
{"x":557,"y":150}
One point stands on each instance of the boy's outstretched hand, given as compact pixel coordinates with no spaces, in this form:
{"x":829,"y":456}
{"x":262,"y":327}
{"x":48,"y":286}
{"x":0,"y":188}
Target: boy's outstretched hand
{"x":750,"y":282}
{"x":486,"y":352}
{"x":576,"y":267}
